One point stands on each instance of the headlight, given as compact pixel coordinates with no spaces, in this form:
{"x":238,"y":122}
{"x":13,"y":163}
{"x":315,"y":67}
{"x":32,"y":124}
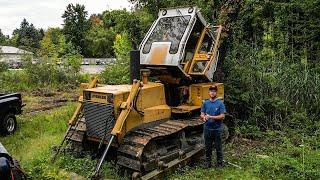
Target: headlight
{"x":110,"y":98}
{"x":86,"y":95}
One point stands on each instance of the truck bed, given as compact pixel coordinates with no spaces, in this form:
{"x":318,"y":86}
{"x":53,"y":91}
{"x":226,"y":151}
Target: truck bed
{"x":10,"y":102}
{"x":4,"y":96}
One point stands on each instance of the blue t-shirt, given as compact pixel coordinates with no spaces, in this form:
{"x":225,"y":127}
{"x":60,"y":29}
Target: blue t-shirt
{"x":213,"y":108}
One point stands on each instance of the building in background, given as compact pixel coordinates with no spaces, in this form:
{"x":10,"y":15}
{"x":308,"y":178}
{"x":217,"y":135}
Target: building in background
{"x":13,"y":56}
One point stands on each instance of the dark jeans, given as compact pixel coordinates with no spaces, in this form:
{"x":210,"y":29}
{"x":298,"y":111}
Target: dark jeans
{"x":210,"y":136}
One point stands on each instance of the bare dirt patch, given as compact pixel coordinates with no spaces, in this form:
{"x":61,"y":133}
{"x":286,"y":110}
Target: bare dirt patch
{"x":39,"y":101}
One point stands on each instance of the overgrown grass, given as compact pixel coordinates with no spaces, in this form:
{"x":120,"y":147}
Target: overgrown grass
{"x":32,"y":145}
{"x":277,"y":156}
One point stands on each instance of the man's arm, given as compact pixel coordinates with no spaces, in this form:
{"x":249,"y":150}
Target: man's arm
{"x":203,"y":116}
{"x":218,"y":117}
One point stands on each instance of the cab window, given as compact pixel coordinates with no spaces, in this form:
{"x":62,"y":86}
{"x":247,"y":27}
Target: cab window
{"x":168,"y":29}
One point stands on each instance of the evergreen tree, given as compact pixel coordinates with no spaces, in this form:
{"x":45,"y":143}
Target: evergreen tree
{"x":3,"y":38}
{"x":76,"y":25}
{"x":27,"y":36}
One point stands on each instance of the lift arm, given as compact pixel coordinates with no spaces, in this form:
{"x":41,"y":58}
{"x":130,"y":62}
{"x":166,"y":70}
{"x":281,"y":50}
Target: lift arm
{"x":126,"y":108}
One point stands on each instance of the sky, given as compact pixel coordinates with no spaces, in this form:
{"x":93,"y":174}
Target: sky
{"x":47,"y":13}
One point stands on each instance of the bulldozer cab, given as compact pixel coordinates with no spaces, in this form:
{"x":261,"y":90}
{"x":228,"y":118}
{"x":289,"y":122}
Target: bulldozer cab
{"x":180,"y":44}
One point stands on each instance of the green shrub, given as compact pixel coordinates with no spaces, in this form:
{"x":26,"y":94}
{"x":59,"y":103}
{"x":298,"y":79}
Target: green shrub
{"x":271,"y":80}
{"x":118,"y":73}
{"x":14,"y":81}
{"x":45,"y":74}
{"x":3,"y":67}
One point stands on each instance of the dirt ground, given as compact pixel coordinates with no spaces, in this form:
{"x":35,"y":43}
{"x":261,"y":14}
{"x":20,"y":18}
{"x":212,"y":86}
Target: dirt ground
{"x":40,"y":100}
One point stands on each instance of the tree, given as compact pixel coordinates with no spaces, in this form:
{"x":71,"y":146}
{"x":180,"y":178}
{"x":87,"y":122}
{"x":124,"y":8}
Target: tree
{"x":75,"y":25}
{"x":51,"y":43}
{"x":122,"y":47}
{"x":27,"y":36}
{"x":118,"y":73}
{"x":3,"y":39}
{"x":95,"y":20}
{"x":211,"y":9}
{"x":99,"y":42}
{"x":100,"y":38}
{"x":55,"y":47}
{"x":135,"y":24}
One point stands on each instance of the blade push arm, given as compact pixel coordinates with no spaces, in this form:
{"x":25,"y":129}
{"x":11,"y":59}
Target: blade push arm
{"x":127,"y":107}
{"x":76,"y":113}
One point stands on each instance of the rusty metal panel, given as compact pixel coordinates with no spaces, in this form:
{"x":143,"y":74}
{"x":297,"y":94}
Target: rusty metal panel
{"x":168,"y":128}
{"x":134,"y":151}
{"x":130,"y":163}
{"x":159,"y":53}
{"x":75,"y":135}
{"x":164,"y":131}
{"x":174,"y":164}
{"x":138,"y":139}
{"x":159,"y":131}
{"x":177,"y":123}
{"x":143,"y":133}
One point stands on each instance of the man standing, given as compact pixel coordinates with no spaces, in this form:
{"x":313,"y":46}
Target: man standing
{"x":213,"y":112}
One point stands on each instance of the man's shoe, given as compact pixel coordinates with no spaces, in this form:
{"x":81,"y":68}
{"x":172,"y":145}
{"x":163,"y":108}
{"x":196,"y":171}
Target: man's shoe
{"x":207,"y":165}
{"x":219,"y":165}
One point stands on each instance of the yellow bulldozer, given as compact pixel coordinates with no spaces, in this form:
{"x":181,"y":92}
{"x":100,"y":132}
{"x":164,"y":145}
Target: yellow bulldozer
{"x":153,"y":124}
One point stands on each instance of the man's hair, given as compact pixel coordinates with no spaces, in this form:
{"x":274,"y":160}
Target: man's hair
{"x":213,"y":87}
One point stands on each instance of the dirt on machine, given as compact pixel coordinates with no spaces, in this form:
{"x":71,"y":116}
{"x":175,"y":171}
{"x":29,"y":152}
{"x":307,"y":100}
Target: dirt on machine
{"x":152,"y":125}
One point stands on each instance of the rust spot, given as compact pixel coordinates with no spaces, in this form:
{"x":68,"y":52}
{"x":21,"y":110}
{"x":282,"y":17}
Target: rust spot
{"x":159,"y":54}
{"x":139,"y":140}
{"x":176,"y":123}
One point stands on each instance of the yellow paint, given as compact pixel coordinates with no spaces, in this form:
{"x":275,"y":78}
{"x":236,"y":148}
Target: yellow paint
{"x":201,"y":57}
{"x":150,"y":101}
{"x":156,"y":112}
{"x":200,"y":92}
{"x":198,"y":46}
{"x":210,"y":56}
{"x":123,"y":116}
{"x":76,"y":113}
{"x":186,"y":66}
